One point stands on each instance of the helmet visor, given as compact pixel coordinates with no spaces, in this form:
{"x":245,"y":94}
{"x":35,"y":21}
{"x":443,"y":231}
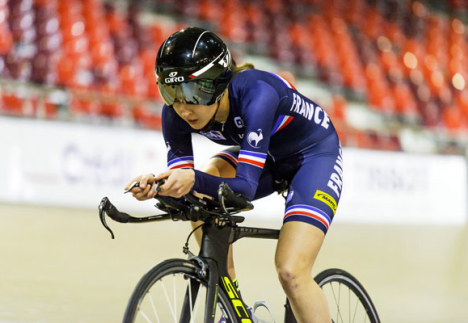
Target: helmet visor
{"x":198,"y":92}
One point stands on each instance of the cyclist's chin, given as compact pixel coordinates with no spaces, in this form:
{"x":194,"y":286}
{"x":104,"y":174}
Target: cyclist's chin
{"x":198,"y":124}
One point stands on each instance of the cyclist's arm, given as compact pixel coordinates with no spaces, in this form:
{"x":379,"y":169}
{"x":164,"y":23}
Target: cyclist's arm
{"x":180,"y":161}
{"x":258,"y":113}
{"x":178,"y":139}
{"x":177,"y":135}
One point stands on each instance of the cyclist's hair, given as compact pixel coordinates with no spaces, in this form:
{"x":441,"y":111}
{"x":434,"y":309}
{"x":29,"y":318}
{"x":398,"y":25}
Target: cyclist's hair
{"x":236,"y":69}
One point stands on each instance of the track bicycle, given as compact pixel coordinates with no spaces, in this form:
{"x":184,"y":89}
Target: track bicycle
{"x":199,"y":289}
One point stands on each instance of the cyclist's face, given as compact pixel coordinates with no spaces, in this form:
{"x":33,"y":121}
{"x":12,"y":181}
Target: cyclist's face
{"x":197,"y":116}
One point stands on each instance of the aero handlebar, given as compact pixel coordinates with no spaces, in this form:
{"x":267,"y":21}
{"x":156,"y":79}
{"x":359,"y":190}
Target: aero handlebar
{"x":188,"y":208}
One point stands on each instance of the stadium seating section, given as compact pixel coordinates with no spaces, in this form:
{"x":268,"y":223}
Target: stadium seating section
{"x":405,"y":61}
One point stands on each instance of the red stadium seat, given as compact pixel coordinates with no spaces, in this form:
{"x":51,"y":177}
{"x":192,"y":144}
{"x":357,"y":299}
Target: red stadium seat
{"x":106,"y":73}
{"x":153,"y":92}
{"x":461,"y":101}
{"x":110,"y":110}
{"x":77,"y":46}
{"x":45,"y":3}
{"x":6,"y":39}
{"x":44,"y":109}
{"x":110,"y":107}
{"x":457,"y":4}
{"x":367,"y":139}
{"x":378,"y":94}
{"x":343,"y":135}
{"x":72,"y":29}
{"x":405,"y":103}
{"x":97,"y":34}
{"x":146,"y":118}
{"x":339,"y":104}
{"x":452,"y":118}
{"x":273,"y":6}
{"x":394,"y":33}
{"x":116,"y":22}
{"x":133,"y":83}
{"x":12,"y":104}
{"x":84,"y":107}
{"x":148,"y":59}
{"x":233,"y":27}
{"x":66,"y":71}
{"x":431,"y":114}
{"x":102,"y":52}
{"x":209,"y":10}
{"x":389,"y":143}
{"x":17,"y":66}
{"x":22,"y":26}
{"x":44,"y":68}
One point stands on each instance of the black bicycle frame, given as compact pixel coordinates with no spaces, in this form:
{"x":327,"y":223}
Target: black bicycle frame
{"x":214,"y":252}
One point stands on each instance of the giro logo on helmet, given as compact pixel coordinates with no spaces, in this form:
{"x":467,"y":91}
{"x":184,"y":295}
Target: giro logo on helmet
{"x":174,"y":79}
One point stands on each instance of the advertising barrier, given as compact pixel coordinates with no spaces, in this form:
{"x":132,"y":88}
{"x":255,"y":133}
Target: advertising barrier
{"x":75,"y":165}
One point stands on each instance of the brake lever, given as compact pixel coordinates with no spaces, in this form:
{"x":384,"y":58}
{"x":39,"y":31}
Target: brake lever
{"x":137,"y":184}
{"x":134,"y":184}
{"x":103,"y":207}
{"x":106,"y":206}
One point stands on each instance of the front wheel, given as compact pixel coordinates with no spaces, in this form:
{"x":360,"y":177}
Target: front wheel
{"x":173,"y":291}
{"x":347,"y":299}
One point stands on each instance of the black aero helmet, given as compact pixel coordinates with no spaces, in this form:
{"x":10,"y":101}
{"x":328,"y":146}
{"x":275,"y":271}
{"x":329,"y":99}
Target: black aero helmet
{"x":193,"y":66}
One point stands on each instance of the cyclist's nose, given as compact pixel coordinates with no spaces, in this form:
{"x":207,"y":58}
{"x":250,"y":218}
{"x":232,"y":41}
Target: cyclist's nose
{"x":184,"y":109}
{"x":186,"y":112}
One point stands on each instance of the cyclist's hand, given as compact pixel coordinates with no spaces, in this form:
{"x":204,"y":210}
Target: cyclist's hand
{"x":179,"y":182}
{"x":146,"y":189}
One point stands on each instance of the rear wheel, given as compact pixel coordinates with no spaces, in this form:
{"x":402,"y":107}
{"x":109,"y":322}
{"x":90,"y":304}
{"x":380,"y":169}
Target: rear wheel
{"x":347,"y":299}
{"x":173,"y":291}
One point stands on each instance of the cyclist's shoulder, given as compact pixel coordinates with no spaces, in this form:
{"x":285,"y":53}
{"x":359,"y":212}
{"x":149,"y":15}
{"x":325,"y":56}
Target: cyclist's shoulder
{"x":249,"y":78}
{"x":168,"y":115}
{"x":252,"y":85}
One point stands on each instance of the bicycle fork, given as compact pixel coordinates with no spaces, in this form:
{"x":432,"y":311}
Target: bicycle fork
{"x":215,"y":245}
{"x":215,"y":282}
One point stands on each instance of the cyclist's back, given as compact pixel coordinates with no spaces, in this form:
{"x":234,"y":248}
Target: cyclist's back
{"x":298,"y":122}
{"x":268,"y":106}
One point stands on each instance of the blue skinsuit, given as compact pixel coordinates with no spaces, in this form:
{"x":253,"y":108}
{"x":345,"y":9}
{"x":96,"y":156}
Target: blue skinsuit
{"x":279,"y":134}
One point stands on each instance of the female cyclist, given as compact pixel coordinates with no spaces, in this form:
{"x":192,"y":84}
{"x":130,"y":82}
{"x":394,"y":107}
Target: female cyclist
{"x":276,"y":135}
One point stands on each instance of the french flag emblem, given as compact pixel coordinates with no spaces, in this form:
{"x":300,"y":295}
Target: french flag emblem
{"x":182,"y":162}
{"x":288,"y":84}
{"x":232,"y":158}
{"x":282,"y":122}
{"x":252,"y":158}
{"x":308,"y":212}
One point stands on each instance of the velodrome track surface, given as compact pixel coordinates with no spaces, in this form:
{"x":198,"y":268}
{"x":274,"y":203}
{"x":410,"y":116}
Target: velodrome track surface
{"x":60,"y":265}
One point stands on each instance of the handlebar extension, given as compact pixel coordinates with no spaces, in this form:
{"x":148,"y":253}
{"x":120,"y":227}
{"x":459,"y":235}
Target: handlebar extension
{"x":228,"y":198}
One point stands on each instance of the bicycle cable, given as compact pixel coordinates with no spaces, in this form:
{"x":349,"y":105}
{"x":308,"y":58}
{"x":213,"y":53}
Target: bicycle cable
{"x":185,"y":249}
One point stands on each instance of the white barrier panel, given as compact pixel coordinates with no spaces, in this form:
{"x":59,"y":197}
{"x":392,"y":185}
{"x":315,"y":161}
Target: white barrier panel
{"x":75,"y":165}
{"x":396,"y":187}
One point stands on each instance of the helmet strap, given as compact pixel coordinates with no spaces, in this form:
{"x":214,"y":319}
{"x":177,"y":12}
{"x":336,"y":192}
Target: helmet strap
{"x":210,"y":125}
